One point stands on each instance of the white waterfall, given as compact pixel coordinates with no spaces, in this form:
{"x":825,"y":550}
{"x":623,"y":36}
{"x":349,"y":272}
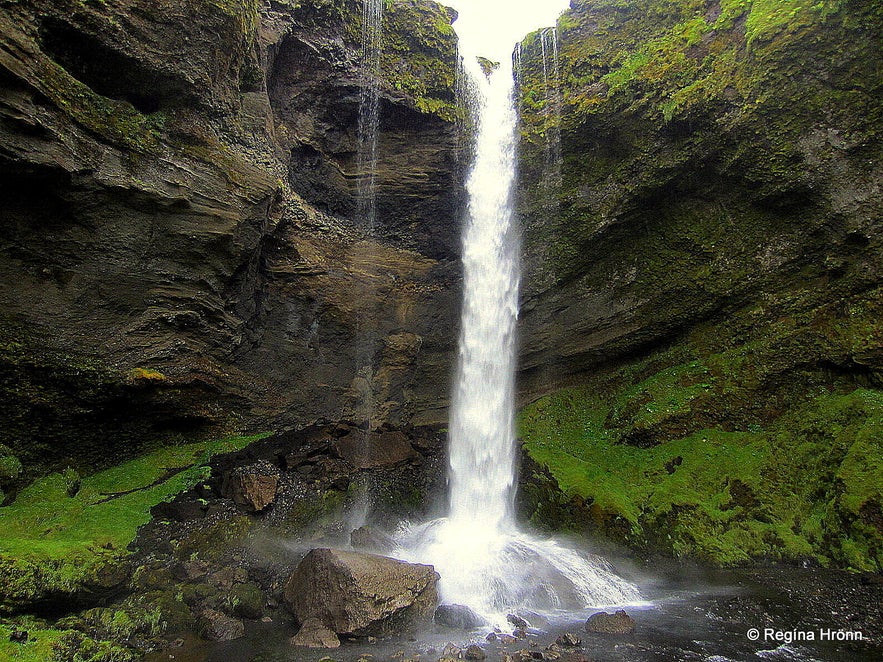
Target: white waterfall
{"x":483,"y":560}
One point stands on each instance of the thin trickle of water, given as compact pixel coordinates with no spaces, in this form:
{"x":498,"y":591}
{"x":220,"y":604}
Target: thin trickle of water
{"x":369,"y":113}
{"x":483,"y":560}
{"x":552,"y":175}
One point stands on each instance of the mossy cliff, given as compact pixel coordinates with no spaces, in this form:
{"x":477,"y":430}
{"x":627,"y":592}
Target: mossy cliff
{"x":707,"y":275}
{"x":164,"y":273}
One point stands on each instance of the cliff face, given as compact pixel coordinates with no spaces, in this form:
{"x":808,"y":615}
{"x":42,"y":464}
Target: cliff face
{"x":168,"y":262}
{"x":707,"y":277}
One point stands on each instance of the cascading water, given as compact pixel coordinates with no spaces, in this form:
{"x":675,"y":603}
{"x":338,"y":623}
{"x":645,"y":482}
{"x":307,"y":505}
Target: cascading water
{"x":369,"y":112}
{"x":484,"y":561}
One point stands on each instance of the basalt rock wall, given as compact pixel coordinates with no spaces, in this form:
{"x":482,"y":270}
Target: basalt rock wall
{"x":704,"y":277}
{"x":169,"y":263}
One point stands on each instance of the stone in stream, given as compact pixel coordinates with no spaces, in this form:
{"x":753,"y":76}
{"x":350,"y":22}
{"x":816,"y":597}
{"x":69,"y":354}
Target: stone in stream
{"x":215,"y":626}
{"x":604,"y":623}
{"x":517,"y":621}
{"x":313,"y":634}
{"x":475,"y":652}
{"x":359,"y":594}
{"x":253,"y":487}
{"x":568,"y":639}
{"x":459,"y":617}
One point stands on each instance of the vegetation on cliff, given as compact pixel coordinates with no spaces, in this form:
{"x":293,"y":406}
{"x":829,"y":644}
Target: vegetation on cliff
{"x":708,"y":276}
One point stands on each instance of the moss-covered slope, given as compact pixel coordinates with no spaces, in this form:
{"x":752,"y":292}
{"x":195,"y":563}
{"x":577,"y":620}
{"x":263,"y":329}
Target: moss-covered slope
{"x":710,"y":268}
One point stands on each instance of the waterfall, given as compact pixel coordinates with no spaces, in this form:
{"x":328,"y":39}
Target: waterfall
{"x":369,"y":113}
{"x":484,"y":561}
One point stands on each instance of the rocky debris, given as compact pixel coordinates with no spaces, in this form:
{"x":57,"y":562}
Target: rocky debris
{"x":604,"y":623}
{"x":253,"y":487}
{"x":313,"y":634}
{"x":452,"y":651}
{"x":377,"y":449}
{"x":568,"y":639}
{"x":355,"y":593}
{"x":215,"y":626}
{"x":369,"y":539}
{"x":459,"y":617}
{"x":474,"y":652}
{"x":517,"y":621}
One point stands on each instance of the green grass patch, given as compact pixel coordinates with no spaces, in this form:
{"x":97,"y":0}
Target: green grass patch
{"x":60,"y":539}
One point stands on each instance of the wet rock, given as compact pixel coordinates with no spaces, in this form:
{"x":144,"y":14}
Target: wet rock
{"x":369,"y":539}
{"x":215,"y":626}
{"x":519,"y":633}
{"x":452,"y":651}
{"x":361,"y":594}
{"x":460,"y":617}
{"x":313,"y":634}
{"x":474,"y":652}
{"x":378,"y":449}
{"x":253,"y":487}
{"x":568,"y":639}
{"x":517,"y":621}
{"x":508,"y":638}
{"x":247,"y":601}
{"x":604,"y":623}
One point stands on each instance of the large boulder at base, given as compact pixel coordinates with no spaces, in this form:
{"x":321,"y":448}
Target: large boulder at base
{"x":354,"y":593}
{"x":313,"y":634}
{"x":604,"y":623}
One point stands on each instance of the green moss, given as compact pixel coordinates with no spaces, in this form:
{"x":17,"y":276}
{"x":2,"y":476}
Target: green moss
{"x":54,"y":542}
{"x":810,"y":484}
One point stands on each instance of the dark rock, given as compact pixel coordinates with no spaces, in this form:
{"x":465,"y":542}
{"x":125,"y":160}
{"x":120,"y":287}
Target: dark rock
{"x":459,"y":617}
{"x":568,"y":639}
{"x":474,"y":652}
{"x":519,"y":633}
{"x":492,"y":636}
{"x":253,"y":487}
{"x":18,"y":636}
{"x":604,"y":623}
{"x":360,"y":594}
{"x":247,"y":601}
{"x":510,"y":639}
{"x":313,"y":634}
{"x":215,"y":626}
{"x":517,"y":621}
{"x":370,"y":451}
{"x":370,"y":539}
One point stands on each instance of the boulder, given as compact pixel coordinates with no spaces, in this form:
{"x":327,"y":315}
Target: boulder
{"x":378,"y":449}
{"x":459,"y":617}
{"x":215,"y":626}
{"x":355,"y":593}
{"x":604,"y":623}
{"x":313,"y":634}
{"x":253,"y":487}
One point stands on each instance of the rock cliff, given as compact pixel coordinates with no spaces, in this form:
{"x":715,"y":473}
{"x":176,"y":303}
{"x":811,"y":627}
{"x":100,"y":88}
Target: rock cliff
{"x":706,"y":278}
{"x":178,"y":252}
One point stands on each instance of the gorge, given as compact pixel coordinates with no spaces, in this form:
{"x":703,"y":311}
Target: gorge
{"x":207,"y":355}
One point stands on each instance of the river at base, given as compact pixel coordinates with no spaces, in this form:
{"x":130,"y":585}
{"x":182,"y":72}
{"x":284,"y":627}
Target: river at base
{"x":692,"y":614}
